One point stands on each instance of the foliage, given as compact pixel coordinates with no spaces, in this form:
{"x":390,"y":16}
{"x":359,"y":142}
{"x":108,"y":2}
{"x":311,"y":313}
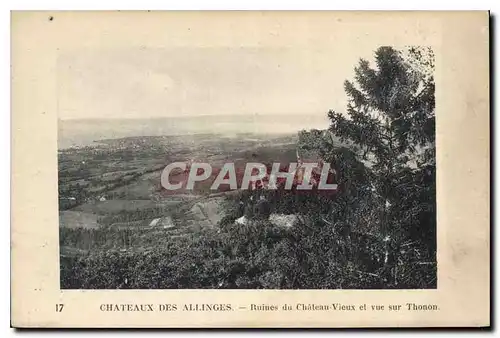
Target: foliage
{"x":378,"y":231}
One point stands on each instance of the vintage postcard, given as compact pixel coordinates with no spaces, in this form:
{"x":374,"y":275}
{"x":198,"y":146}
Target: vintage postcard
{"x":250,"y":169}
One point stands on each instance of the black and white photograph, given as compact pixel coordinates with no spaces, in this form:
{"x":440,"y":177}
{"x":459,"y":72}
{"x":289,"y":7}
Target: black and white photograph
{"x":247,"y":167}
{"x":250,"y":169}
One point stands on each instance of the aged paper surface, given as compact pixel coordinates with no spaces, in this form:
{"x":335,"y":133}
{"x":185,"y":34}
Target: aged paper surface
{"x":76,"y":74}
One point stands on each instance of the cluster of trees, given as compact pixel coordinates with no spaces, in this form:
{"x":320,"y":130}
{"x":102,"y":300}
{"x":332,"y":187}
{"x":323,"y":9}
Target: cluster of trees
{"x":258,"y":255}
{"x":98,"y":239}
{"x":124,"y":216}
{"x":116,"y":237}
{"x":378,"y":231}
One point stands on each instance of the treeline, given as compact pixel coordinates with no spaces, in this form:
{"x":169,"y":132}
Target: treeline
{"x":112,"y":237}
{"x":258,"y":255}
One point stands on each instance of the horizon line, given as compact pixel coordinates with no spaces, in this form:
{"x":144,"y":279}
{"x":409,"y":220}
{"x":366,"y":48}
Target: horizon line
{"x":325,"y":114}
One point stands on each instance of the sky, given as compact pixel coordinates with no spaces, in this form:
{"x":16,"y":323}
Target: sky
{"x":190,"y":81}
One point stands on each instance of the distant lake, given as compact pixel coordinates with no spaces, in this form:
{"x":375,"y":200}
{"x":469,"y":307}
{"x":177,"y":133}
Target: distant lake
{"x":83,"y":132}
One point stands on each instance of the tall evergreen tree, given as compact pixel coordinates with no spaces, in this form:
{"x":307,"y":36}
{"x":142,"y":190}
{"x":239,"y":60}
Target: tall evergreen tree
{"x":390,"y":122}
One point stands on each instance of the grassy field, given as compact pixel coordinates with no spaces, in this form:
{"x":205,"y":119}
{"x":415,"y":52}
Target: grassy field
{"x":115,"y":206}
{"x":77,"y":219}
{"x":118,"y":181}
